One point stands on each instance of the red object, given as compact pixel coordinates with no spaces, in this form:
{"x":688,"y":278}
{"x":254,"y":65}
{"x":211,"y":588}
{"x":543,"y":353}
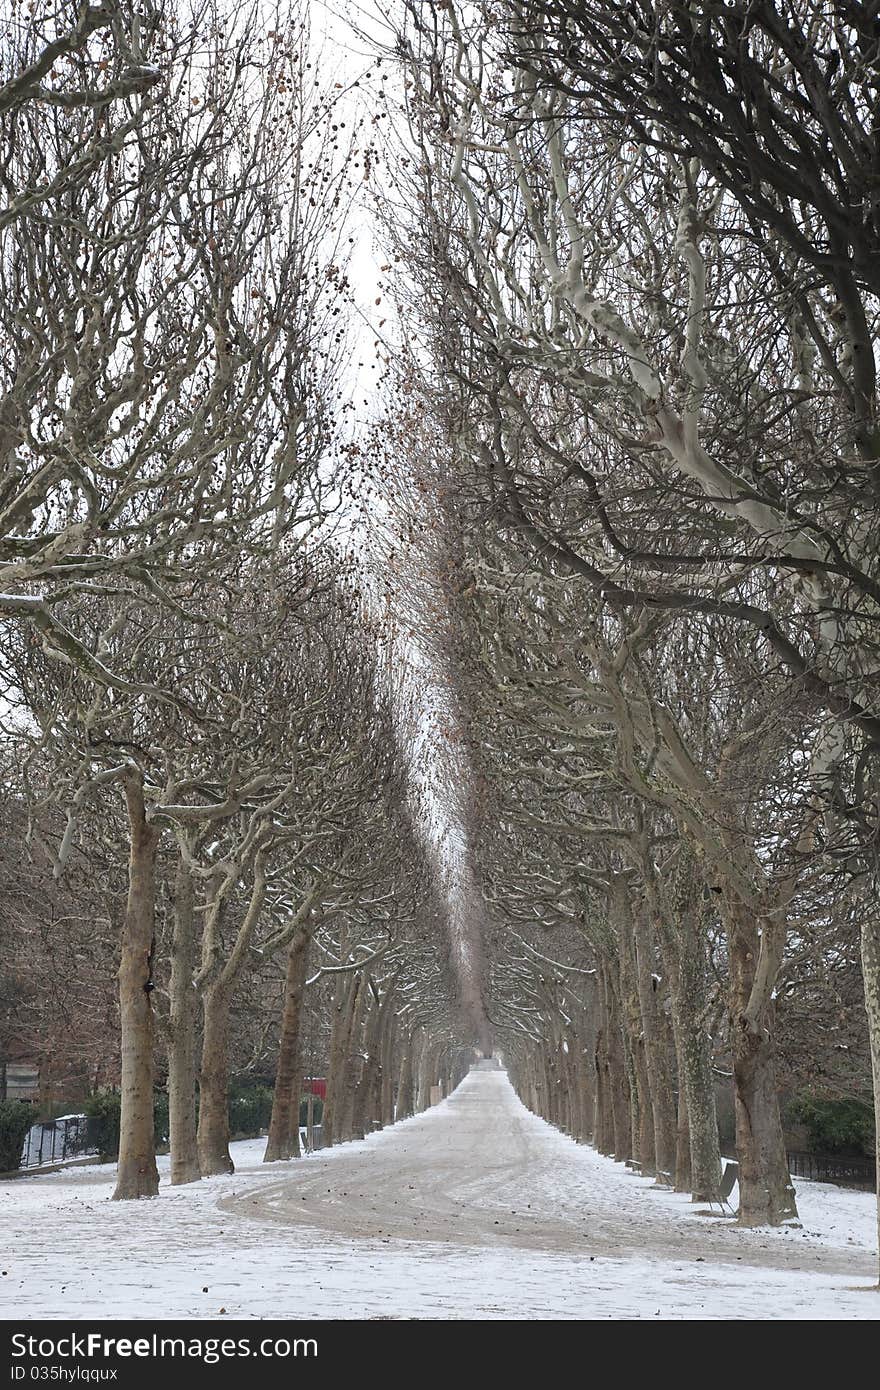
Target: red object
{"x":317,"y":1085}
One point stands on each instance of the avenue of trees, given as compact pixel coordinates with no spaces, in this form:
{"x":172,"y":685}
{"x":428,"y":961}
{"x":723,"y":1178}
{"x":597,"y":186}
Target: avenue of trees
{"x":205,"y":747}
{"x":538,"y":709}
{"x":639,"y":249}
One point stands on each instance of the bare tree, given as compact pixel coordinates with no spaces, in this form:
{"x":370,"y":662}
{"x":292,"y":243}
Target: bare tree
{"x":170,"y":282}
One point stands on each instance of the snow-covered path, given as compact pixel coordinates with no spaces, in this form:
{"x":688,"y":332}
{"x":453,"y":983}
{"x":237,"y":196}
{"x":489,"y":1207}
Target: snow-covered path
{"x":475,"y":1209}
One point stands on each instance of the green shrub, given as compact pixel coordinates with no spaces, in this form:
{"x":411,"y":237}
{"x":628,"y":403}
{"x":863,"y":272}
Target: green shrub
{"x":16,"y":1119}
{"x":45,"y":1114}
{"x":250,"y":1111}
{"x":104,"y":1110}
{"x":835,"y":1126}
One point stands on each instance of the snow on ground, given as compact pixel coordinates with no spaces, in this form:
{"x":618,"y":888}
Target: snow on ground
{"x":475,"y":1209}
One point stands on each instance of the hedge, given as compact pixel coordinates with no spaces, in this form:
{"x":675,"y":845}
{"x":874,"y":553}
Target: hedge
{"x":16,"y":1119}
{"x":835,"y":1126}
{"x":249,"y":1113}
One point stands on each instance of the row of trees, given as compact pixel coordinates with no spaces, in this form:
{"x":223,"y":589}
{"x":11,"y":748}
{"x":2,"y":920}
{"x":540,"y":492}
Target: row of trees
{"x":638,"y":247}
{"x":204,"y":742}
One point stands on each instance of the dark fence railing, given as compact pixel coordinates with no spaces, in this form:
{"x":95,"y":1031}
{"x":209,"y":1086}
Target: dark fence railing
{"x":849,"y":1172}
{"x":56,"y":1141}
{"x":74,"y":1136}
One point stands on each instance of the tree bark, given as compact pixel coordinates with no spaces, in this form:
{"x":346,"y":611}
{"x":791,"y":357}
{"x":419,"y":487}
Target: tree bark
{"x":603,"y":1123}
{"x":213,"y":1132}
{"x":682,"y":1136}
{"x":588,"y":1087}
{"x":617,"y":1080}
{"x":405,"y":1089}
{"x":353,"y":1064}
{"x":870,"y":936}
{"x":283,"y":1140}
{"x":671,"y":973}
{"x":386,"y":1088}
{"x":656,"y":1055}
{"x":219,"y":990}
{"x":641,"y":1109}
{"x":137,"y":1174}
{"x":696,"y":1078}
{"x":332,"y":1121}
{"x":375,"y":1048}
{"x":572,"y":1095}
{"x":182,"y":1026}
{"x":426,"y":1074}
{"x":680,"y":933}
{"x":544,"y":1086}
{"x":293,"y":1115}
{"x":765,"y":1188}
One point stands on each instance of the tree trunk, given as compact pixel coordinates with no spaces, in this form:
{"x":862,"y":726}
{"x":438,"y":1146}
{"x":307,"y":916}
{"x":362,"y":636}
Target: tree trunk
{"x":375,"y":1062}
{"x":530,"y":1071}
{"x":365,"y":1090}
{"x":765,"y":1189}
{"x":545,"y":1087}
{"x":565,"y":1094}
{"x":554,"y":1095}
{"x":405,"y":1097}
{"x":695,"y":1077}
{"x":333,"y":1118}
{"x":682,"y":1138}
{"x":137,"y":1174}
{"x":588,"y":1085}
{"x":353,"y":1065}
{"x":426,"y":1074}
{"x":871,"y":976}
{"x":603,"y":1122}
{"x":386,"y":1088}
{"x":283,"y":1140}
{"x":640,"y":1106}
{"x":573,"y":1087}
{"x":656,"y":1054}
{"x":618,"y":1084}
{"x":680,"y":933}
{"x":183,"y":1016}
{"x":213,"y":1133}
{"x":667,"y":940}
{"x":293,"y":1134}
{"x":551,"y":1069}
{"x":220,"y":984}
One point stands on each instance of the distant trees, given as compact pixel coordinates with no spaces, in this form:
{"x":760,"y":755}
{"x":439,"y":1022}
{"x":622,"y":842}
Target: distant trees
{"x":58,"y":1009}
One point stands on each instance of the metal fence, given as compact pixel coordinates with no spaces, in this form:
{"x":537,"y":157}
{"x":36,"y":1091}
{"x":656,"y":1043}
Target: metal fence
{"x":56,"y":1141}
{"x":849,"y":1172}
{"x":304,"y":1138}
